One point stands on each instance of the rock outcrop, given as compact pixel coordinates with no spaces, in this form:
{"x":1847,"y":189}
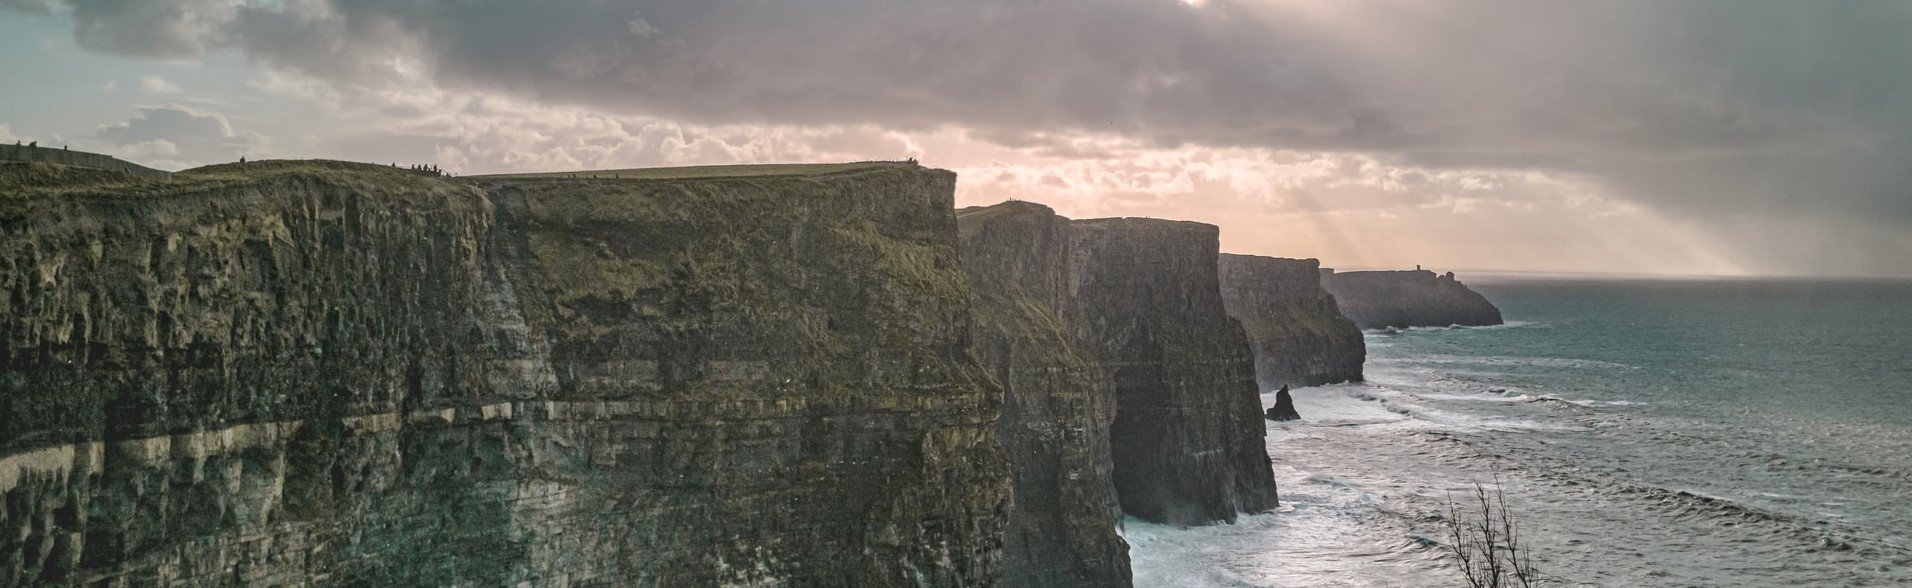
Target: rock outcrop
{"x":1058,"y":401}
{"x":1298,"y":334}
{"x":1125,"y":383}
{"x":340,"y":374}
{"x":1284,"y":408}
{"x":1188,"y":435}
{"x":1409,"y":298}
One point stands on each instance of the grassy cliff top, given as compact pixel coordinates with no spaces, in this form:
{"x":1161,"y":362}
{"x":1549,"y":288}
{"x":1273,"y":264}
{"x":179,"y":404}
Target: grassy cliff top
{"x":980,"y":213}
{"x":1269,"y":259}
{"x":22,"y":181}
{"x":1148,"y":224}
{"x":709,"y":171}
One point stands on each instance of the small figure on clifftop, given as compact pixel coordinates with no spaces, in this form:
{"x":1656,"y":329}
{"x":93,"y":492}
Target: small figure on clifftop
{"x":242,"y":159}
{"x":1284,"y":409}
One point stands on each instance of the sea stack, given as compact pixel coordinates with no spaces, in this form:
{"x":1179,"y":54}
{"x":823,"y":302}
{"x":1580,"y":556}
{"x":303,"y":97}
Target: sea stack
{"x":1284,"y":408}
{"x":1408,"y":298}
{"x":1297,"y":332}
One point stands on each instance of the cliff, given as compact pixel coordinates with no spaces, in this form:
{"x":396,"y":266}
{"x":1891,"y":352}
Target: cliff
{"x":317,"y":372}
{"x":1298,"y":335}
{"x":1058,"y":401}
{"x":1411,"y":298}
{"x":1188,"y":432}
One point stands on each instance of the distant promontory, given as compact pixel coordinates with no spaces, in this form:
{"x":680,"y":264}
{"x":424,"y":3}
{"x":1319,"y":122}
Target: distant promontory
{"x":1408,"y":298}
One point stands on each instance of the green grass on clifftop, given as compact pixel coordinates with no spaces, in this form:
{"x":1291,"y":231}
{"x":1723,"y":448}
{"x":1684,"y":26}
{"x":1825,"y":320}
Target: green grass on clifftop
{"x":708,"y":171}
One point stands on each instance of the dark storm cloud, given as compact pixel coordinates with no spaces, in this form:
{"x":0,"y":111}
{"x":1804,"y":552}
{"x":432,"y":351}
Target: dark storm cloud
{"x":1699,"y":107}
{"x":146,"y":28}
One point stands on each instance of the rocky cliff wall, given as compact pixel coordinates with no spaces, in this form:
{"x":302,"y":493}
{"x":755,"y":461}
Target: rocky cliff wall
{"x":1410,"y":298}
{"x":1058,"y":401}
{"x":1188,"y":432}
{"x":328,"y":373}
{"x":1298,"y":334}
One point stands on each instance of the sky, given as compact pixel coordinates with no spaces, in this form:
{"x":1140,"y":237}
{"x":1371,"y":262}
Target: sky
{"x":1666,"y":137}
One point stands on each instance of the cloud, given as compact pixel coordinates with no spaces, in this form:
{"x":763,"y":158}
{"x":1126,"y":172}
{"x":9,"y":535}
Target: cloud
{"x":165,"y":29}
{"x":1769,"y":110}
{"x":153,"y":84}
{"x":33,"y":7}
{"x":1660,"y":94}
{"x":178,"y":137}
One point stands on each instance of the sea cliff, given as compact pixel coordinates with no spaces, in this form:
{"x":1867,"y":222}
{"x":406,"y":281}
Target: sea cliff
{"x":1188,"y":432}
{"x":1298,"y":334}
{"x":319,"y":372}
{"x":1408,"y":298}
{"x":1058,"y":400}
{"x":1127,"y":387}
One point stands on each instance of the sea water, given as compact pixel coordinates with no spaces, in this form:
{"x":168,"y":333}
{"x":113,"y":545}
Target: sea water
{"x":1645,"y":433}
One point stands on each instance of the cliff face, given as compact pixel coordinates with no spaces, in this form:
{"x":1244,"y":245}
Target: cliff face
{"x":346,"y":374}
{"x":1299,"y":336}
{"x":1411,"y":298}
{"x":1188,"y":432}
{"x":1058,"y":402}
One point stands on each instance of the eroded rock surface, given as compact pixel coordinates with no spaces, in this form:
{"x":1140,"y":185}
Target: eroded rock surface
{"x":1188,"y":432}
{"x":1058,"y":401}
{"x":315,"y":372}
{"x":1299,"y":336}
{"x":1408,"y":298}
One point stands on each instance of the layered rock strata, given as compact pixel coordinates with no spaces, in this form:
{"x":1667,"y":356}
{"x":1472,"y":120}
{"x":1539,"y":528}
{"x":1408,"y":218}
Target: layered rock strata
{"x":339,"y":374}
{"x":1408,"y":298}
{"x":1297,"y":332}
{"x":1138,"y":304}
{"x":1188,"y":436}
{"x":1058,"y":401}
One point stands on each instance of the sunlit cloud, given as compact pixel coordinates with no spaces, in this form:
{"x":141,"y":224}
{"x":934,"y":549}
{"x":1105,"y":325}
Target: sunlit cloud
{"x":1624,"y":136}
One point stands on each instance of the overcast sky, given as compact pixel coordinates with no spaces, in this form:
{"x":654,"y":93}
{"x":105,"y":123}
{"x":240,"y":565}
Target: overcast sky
{"x":1730,"y":137}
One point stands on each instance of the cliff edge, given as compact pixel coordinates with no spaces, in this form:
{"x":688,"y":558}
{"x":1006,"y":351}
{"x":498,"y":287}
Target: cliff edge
{"x":1298,"y":334}
{"x":1408,"y":298}
{"x":1188,"y":436}
{"x":1058,"y":401}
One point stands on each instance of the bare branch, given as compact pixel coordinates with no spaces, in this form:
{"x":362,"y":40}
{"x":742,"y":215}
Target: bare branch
{"x":1490,"y":549}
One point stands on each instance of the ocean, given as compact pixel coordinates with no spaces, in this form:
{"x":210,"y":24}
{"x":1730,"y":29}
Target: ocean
{"x":1645,"y":433}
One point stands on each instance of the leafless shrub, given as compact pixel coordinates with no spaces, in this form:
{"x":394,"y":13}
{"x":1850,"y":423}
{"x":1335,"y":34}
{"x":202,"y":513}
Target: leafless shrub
{"x":1487,"y":541}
